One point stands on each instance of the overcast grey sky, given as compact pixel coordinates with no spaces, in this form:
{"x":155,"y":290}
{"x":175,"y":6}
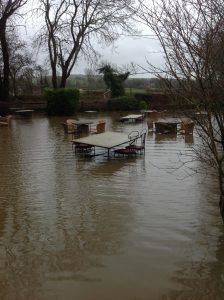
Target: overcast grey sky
{"x":126,"y":50}
{"x":129,"y":50}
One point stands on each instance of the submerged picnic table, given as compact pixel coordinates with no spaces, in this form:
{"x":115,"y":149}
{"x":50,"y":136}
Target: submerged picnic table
{"x":82,"y":126}
{"x":106,"y":140}
{"x":132,"y":118}
{"x":24,"y":112}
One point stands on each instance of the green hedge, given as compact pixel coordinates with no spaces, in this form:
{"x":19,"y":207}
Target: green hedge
{"x":125,"y":103}
{"x":62,"y":102}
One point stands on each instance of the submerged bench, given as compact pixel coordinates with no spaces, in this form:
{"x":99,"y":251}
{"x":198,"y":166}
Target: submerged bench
{"x":166,"y":127}
{"x":24,"y":112}
{"x":5,"y":120}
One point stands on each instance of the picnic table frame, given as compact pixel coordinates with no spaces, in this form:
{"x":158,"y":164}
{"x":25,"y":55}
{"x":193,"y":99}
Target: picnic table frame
{"x":133,"y":117}
{"x":106,"y":140}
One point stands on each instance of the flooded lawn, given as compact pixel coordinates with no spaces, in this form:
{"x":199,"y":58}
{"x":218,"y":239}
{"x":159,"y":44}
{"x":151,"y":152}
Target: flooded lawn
{"x":82,"y":228}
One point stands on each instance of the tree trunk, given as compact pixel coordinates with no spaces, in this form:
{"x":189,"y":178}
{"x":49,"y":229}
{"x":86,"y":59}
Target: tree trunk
{"x":221,"y":206}
{"x":221,"y":189}
{"x":54,"y":77}
{"x":14,"y":85}
{"x":5,"y":55}
{"x":63,"y":80}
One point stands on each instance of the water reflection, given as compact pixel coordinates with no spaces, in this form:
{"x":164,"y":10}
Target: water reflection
{"x":62,"y":242}
{"x":201,"y":279}
{"x":57,"y":221}
{"x":108,"y":168}
{"x":165,"y":137}
{"x":201,"y":275}
{"x":189,"y":139}
{"x":77,"y":228}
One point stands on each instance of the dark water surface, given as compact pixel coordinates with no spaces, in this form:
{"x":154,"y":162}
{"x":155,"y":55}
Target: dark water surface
{"x":92,"y":229}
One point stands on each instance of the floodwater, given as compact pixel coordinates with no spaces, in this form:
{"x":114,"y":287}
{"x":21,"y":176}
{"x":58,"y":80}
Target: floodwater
{"x":72,"y":227}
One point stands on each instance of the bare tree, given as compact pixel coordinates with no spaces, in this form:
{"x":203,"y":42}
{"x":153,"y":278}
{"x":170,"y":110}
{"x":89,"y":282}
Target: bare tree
{"x":19,"y":59}
{"x":8,"y":8}
{"x":191,"y":34}
{"x":91,"y":76}
{"x":71,"y":26}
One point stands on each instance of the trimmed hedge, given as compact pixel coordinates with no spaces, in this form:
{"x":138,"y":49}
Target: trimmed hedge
{"x":62,"y":102}
{"x":142,"y":105}
{"x":126,"y":103}
{"x":123,"y":103}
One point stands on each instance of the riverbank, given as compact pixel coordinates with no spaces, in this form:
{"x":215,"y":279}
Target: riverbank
{"x":93,"y":100}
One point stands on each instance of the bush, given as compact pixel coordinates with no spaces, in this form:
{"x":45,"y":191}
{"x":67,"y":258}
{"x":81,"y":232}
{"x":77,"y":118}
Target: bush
{"x":123,"y":103}
{"x":142,"y":105}
{"x":143,"y":97}
{"x":62,"y":102}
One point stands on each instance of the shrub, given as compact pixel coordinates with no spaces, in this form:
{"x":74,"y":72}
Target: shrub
{"x":142,"y":105}
{"x":123,"y":103}
{"x":62,"y":102}
{"x":143,"y":97}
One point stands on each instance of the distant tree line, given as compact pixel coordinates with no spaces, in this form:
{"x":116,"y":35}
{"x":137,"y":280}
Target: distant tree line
{"x":93,"y":81}
{"x":69,"y":29}
{"x":67,"y":32}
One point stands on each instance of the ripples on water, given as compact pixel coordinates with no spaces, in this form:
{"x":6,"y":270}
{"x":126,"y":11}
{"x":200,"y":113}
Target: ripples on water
{"x":89,"y":228}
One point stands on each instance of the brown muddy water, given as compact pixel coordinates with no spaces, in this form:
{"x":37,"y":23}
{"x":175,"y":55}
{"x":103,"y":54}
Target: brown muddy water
{"x":82,"y":228}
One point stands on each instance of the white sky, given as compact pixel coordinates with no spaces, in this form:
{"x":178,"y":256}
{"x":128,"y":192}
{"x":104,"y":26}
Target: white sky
{"x":129,"y":50}
{"x":125,"y":51}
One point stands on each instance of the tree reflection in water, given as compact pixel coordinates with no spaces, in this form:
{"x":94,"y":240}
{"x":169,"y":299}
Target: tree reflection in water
{"x":73,"y":225}
{"x":201,"y":280}
{"x":202,"y":274}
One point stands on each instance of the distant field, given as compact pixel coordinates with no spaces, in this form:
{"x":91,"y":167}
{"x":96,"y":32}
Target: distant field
{"x":92,"y":90}
{"x":128,"y":91}
{"x":134,"y":91}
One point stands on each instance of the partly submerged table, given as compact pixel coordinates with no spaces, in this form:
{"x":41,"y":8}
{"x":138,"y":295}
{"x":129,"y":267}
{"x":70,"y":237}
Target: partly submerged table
{"x":82,"y":126}
{"x":132,"y":118}
{"x":24,"y":112}
{"x":106,"y":140}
